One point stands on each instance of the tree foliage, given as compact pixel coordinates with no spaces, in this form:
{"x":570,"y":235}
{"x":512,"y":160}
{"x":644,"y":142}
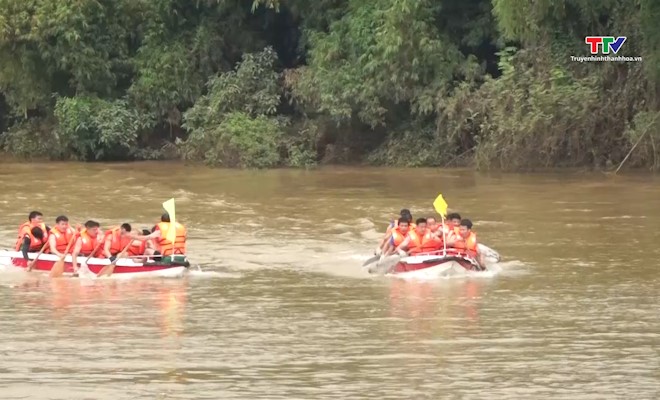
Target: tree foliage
{"x":268,"y":83}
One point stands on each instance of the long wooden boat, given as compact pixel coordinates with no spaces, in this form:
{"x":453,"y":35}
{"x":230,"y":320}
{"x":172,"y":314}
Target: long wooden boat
{"x":125,"y":266}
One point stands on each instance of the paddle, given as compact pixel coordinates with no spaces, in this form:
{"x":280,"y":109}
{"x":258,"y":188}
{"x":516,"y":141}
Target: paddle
{"x":34,"y":262}
{"x":98,"y":246}
{"x":492,"y":255}
{"x":385,"y":264}
{"x":58,"y":267}
{"x":109,"y":269}
{"x":369,"y":261}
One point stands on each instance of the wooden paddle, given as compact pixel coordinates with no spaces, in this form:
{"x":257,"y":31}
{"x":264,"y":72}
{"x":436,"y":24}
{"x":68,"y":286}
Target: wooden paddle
{"x":34,"y":262}
{"x":98,"y":246}
{"x":109,"y":269}
{"x":58,"y":267}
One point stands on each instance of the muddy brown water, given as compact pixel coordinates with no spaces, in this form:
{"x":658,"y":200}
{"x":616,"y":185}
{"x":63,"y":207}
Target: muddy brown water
{"x":277,"y":306}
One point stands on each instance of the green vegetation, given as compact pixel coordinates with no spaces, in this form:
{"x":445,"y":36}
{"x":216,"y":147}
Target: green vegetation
{"x":267,"y":83}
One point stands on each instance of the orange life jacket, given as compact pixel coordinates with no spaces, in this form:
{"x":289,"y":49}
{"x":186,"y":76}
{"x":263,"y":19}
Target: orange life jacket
{"x":62,"y":239}
{"x":397,"y":237}
{"x":117,"y":241}
{"x":89,"y":245}
{"x":424,"y":243}
{"x":446,"y":232}
{"x":137,"y":248}
{"x":35,"y":244}
{"x":26,"y":229}
{"x":469,"y":245}
{"x":166,"y":247}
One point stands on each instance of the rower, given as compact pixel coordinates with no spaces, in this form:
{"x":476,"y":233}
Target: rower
{"x":419,"y":240}
{"x":117,"y":239}
{"x":60,"y":236}
{"x":397,"y":237}
{"x":404,"y":214}
{"x":440,"y":231}
{"x":467,"y":241}
{"x":454,"y":221}
{"x":159,"y":235}
{"x":149,"y":246}
{"x":32,"y":242}
{"x":86,"y":244}
{"x":35,"y":219}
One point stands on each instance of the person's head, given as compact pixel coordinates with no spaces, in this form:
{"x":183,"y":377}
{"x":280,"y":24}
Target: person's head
{"x":165,"y":217}
{"x":404,"y":225}
{"x":36,"y":217}
{"x":145,"y":232}
{"x":61,"y":223}
{"x":153,"y":228}
{"x":421,"y":225}
{"x":37,"y":232}
{"x":92,"y":228}
{"x":432,"y":224}
{"x":125,"y":228}
{"x":465,"y":227}
{"x":454,"y":219}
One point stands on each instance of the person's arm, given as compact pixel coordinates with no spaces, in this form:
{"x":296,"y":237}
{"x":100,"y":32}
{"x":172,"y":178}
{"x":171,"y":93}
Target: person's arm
{"x":481,"y":260}
{"x":389,"y":247}
{"x":74,"y":256}
{"x":106,"y":247}
{"x":52,"y":241}
{"x":403,"y":245}
{"x":25,"y":246}
{"x":153,"y":235}
{"x":453,"y":238}
{"x":383,"y":242}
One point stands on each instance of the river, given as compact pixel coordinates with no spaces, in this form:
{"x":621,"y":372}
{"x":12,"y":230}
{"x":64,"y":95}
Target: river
{"x":280,"y":308}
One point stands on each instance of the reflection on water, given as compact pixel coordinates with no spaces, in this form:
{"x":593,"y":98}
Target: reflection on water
{"x":72,"y":301}
{"x":283,"y":310}
{"x":422,"y":304}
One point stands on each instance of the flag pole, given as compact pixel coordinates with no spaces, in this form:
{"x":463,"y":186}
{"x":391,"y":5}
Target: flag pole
{"x":444,"y":235}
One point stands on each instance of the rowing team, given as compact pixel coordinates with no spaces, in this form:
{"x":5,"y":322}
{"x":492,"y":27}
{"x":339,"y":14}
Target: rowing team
{"x":91,"y":241}
{"x":426,"y":235}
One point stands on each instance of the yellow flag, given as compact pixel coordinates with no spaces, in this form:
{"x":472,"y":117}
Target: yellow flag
{"x":440,"y":205}
{"x":171,"y":232}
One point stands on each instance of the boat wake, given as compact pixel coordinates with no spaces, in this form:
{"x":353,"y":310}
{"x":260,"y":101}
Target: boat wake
{"x":201,"y":274}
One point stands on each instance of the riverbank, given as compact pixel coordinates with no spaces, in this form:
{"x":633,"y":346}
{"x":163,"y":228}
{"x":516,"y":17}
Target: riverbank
{"x":11,"y":164}
{"x":6,"y":158}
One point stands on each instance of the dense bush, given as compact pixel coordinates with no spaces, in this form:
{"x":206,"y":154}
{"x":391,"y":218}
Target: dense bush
{"x":96,"y":129}
{"x":240,"y":140}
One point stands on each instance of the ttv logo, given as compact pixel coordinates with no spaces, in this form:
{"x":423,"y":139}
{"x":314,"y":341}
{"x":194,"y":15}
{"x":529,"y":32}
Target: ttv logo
{"x":607,"y":43}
